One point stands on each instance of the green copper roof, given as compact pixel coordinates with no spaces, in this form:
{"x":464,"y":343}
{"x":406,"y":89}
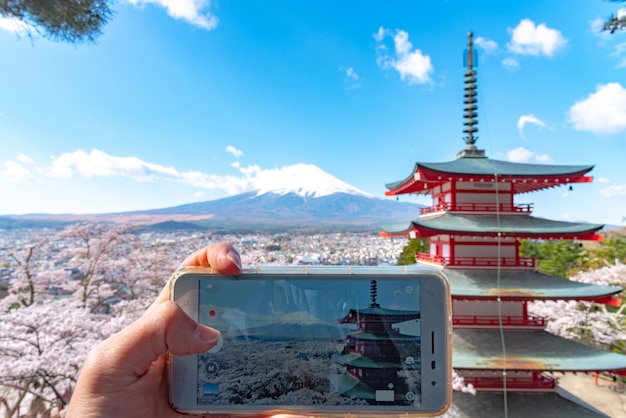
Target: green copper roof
{"x":377,"y":336}
{"x":357,"y":360}
{"x":523,"y":225}
{"x":350,"y":386}
{"x":378,"y":311}
{"x":482,"y":166}
{"x":486,"y":166}
{"x":522,"y":284}
{"x":347,"y":385}
{"x":557,"y":404}
{"x":528,"y":350}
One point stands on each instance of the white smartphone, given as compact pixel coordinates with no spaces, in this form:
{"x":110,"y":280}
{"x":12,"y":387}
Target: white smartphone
{"x":316,"y":341}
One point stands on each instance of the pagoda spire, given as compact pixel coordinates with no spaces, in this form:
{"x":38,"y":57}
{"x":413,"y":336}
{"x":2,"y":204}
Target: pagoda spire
{"x":373,"y":293}
{"x":470,"y":107}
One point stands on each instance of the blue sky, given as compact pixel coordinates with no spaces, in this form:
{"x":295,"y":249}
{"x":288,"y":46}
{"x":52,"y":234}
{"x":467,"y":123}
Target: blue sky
{"x":189,"y":100}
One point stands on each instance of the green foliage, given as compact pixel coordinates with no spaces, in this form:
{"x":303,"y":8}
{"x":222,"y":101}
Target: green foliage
{"x":73,"y":21}
{"x":615,"y":23}
{"x":565,"y":258}
{"x":408,"y":252}
{"x":612,"y":249}
{"x":561,"y":258}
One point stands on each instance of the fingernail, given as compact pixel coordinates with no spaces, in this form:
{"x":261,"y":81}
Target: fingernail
{"x":233,"y":256}
{"x":207,"y":334}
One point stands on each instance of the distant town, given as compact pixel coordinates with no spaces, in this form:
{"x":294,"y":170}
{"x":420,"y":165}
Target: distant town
{"x":292,"y":248}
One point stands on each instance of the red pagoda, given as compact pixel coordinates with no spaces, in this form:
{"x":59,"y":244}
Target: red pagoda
{"x":377,"y":356}
{"x":474,"y":228}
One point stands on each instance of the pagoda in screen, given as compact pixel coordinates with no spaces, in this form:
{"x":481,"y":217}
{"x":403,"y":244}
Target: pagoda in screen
{"x":378,"y":359}
{"x":474,"y":228}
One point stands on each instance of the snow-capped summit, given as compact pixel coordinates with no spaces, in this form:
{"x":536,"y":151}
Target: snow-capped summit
{"x":306,"y":180}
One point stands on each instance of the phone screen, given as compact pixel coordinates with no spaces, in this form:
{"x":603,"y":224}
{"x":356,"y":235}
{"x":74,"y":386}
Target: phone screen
{"x":328,"y":341}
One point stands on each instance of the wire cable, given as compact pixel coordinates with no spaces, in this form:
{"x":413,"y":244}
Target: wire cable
{"x":498,"y":267}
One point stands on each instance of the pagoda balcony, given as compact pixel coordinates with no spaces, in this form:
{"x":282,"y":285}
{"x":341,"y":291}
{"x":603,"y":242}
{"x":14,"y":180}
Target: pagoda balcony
{"x":476,"y":262}
{"x":483,"y":322}
{"x":538,"y":383}
{"x":523,"y":209}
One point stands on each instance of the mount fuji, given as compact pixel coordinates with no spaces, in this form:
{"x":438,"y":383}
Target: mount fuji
{"x":300,"y":196}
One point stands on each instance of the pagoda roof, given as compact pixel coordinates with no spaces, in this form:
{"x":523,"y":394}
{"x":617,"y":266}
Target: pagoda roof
{"x":540,"y":404}
{"x":364,"y":362}
{"x":528,"y":350}
{"x":378,"y":311}
{"x":348,"y":385}
{"x":525,"y":177}
{"x":379,"y":336}
{"x":521,"y":226}
{"x":520,"y":284}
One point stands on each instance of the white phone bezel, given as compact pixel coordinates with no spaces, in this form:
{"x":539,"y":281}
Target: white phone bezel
{"x":435,"y":322}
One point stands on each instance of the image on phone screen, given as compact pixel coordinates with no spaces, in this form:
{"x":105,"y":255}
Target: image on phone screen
{"x":329,"y":341}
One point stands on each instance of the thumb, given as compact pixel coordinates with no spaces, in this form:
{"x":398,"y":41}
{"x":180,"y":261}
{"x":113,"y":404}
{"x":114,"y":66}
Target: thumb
{"x":164,"y":328}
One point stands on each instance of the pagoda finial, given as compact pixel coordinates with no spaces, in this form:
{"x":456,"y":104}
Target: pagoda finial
{"x":373,"y":293}
{"x":470,"y":61}
{"x":470,"y":51}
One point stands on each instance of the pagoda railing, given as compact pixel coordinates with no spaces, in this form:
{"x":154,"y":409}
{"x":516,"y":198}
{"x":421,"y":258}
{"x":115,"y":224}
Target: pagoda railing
{"x":482,"y":321}
{"x":476,"y":261}
{"x":538,"y":383}
{"x":478,"y":207}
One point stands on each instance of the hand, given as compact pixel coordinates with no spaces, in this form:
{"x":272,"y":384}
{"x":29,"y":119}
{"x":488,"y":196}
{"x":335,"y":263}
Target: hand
{"x":125,"y":375}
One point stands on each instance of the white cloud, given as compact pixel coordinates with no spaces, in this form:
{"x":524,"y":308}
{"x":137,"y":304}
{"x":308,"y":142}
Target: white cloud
{"x":351,"y":74}
{"x":519,"y":155}
{"x":603,"y":180}
{"x":249,"y":170}
{"x":619,"y":49}
{"x":380,"y":36}
{"x":603,"y":112}
{"x":24,"y":158}
{"x":489,"y":46}
{"x":15,"y":172}
{"x":351,"y":78}
{"x":510,"y":64}
{"x":99,"y":164}
{"x":413,"y":66}
{"x":523,"y":120}
{"x":299,"y":178}
{"x":619,"y":52}
{"x":614,"y":190}
{"x":236,"y":152}
{"x":596,"y":26}
{"x":192,"y":11}
{"x":522,"y":155}
{"x":544,"y":158}
{"x":528,"y":39}
{"x":16,"y":26}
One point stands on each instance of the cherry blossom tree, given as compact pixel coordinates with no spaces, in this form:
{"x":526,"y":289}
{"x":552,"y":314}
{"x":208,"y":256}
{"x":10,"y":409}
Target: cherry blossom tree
{"x":43,"y":341}
{"x":90,"y":249}
{"x":37,"y":278}
{"x":588,"y":322}
{"x":42,"y":347}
